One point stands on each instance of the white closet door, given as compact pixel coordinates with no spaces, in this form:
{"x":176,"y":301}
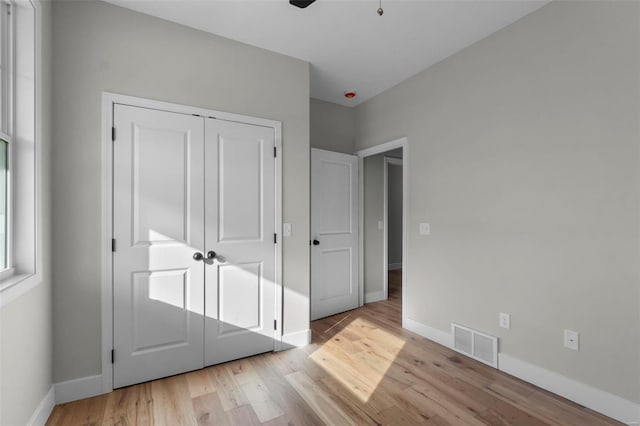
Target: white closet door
{"x":158,"y":287}
{"x":240,"y":227}
{"x":334,"y":233}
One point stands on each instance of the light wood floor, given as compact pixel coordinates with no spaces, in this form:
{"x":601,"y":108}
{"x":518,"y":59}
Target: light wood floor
{"x":362,"y":368}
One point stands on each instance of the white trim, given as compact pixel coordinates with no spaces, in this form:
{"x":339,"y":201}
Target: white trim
{"x":297,"y":339}
{"x":595,"y":399}
{"x":383,"y":147}
{"x":108,"y":100}
{"x":107,"y":232}
{"x":279,"y":288}
{"x":44,"y":409}
{"x":438,"y":336}
{"x":73,"y":390}
{"x":18,"y":285}
{"x":379,"y":149}
{"x":21,"y":283}
{"x":385,"y":230}
{"x":395,"y":266}
{"x":360,"y":231}
{"x":375,"y":296}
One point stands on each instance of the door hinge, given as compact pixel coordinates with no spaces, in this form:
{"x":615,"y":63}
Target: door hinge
{"x":113,"y":356}
{"x":275,"y":238}
{"x":113,"y":134}
{"x":274,"y":151}
{"x":113,"y":244}
{"x":275,"y":324}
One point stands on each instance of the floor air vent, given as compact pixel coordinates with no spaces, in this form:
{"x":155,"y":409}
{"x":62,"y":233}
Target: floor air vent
{"x":475,"y":344}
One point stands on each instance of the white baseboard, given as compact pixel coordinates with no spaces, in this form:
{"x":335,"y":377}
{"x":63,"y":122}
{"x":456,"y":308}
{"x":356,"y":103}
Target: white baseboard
{"x":394,"y":266}
{"x":438,"y":336}
{"x":296,"y":340}
{"x":73,"y":390}
{"x":44,"y":409}
{"x":374,"y":296}
{"x":598,"y":400}
{"x":603,"y":402}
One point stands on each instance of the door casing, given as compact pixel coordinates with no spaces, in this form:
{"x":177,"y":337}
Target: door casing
{"x":108,"y":102}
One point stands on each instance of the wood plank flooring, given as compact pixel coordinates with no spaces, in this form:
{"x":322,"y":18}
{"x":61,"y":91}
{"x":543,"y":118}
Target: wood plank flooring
{"x":361,"y":369}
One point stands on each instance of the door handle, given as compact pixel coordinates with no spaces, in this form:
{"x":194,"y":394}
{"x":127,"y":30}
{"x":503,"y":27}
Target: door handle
{"x":211,"y":254}
{"x":197,"y":256}
{"x":316,"y":242}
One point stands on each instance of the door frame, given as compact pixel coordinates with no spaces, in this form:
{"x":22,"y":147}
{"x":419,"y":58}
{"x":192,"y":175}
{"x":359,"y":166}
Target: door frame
{"x":368,"y":152}
{"x":108,"y":102}
{"x":385,"y":218}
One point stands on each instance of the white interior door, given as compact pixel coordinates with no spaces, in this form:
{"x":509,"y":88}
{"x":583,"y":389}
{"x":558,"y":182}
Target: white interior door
{"x":158,"y":206}
{"x":334,"y":233}
{"x":240,"y":229}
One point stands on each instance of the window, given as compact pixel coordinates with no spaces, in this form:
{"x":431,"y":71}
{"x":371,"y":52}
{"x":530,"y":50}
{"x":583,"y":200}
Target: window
{"x":19,"y":153}
{"x":6,"y":115}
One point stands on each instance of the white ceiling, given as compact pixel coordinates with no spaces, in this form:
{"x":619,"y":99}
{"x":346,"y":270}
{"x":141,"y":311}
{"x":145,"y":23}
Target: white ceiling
{"x":348,"y":45}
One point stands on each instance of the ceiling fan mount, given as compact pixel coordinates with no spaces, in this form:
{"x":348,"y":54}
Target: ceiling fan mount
{"x":301,"y":3}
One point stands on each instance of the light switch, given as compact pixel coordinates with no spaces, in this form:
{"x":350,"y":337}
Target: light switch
{"x":286,"y":229}
{"x":425,"y":229}
{"x":380,"y":225}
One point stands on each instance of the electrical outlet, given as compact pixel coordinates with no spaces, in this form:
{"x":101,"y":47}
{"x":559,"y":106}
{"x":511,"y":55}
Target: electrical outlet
{"x":505,"y":320}
{"x":572,"y":340}
{"x":425,"y":229}
{"x":286,"y":229}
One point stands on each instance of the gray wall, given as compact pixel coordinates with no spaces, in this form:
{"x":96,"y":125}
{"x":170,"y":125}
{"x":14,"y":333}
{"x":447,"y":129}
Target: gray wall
{"x":332,"y":126}
{"x":394,"y":212}
{"x":25,"y":323}
{"x":524,"y":157}
{"x":99,"y":47}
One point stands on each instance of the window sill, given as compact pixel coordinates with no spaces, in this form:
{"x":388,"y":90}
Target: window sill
{"x":17,"y":285}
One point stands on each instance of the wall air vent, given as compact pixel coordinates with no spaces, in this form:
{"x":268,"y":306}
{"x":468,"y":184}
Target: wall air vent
{"x":475,"y":344}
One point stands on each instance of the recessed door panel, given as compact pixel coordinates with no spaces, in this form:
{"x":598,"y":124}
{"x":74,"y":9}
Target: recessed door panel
{"x":239,"y":285}
{"x":160,"y":184}
{"x":336,"y":264}
{"x":335,"y":197}
{"x":240,"y":208}
{"x":160,"y":309}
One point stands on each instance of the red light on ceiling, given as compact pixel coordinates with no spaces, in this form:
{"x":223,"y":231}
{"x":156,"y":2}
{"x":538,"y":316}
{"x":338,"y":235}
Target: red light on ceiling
{"x":350,"y":94}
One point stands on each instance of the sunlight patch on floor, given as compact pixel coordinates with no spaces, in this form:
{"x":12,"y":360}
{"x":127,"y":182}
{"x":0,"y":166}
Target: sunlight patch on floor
{"x":350,"y":359}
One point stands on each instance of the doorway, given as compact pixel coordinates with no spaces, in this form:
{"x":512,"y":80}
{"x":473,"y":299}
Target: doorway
{"x":383,"y":222}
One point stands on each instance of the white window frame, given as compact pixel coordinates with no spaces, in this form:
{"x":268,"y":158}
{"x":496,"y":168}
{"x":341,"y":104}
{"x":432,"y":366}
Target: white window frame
{"x":23,"y":134}
{"x":7,"y":50}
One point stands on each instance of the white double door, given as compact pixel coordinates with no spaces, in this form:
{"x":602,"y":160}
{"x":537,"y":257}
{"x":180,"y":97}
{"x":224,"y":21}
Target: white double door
{"x":194,"y":259}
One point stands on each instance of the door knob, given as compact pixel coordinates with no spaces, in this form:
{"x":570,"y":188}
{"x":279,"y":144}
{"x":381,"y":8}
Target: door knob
{"x":211,"y":254}
{"x":198,"y":256}
{"x":316,"y":242}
